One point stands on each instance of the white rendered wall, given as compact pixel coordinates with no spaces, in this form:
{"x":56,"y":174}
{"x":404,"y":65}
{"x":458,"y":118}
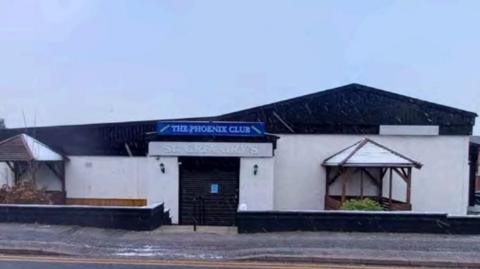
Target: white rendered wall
{"x":6,"y":175}
{"x":44,"y":177}
{"x":164,"y":187}
{"x":256,"y":191}
{"x":124,"y":178}
{"x":440,"y":186}
{"x":106,"y":177}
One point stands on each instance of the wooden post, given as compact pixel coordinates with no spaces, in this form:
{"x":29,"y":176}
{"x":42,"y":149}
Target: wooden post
{"x":327,"y":187}
{"x":390,"y":187}
{"x":15,"y":174}
{"x":10,"y":166}
{"x":33,"y":173}
{"x":62,"y":169}
{"x":380,"y":187}
{"x":344,"y":184}
{"x":409,"y":184}
{"x":327,"y":179}
{"x":361,"y":184}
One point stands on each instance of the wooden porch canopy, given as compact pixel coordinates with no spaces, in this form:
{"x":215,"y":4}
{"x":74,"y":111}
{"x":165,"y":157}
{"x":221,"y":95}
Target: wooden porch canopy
{"x":373,"y":161}
{"x":23,"y":153}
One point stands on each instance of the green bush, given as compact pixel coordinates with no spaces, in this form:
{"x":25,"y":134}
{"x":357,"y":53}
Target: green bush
{"x":361,"y":204}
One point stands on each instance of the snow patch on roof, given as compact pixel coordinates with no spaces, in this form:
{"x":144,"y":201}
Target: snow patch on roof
{"x":40,"y":152}
{"x":26,"y":148}
{"x":369,"y":153}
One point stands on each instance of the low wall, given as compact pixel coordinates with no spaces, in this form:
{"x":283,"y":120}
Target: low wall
{"x":342,"y":221}
{"x":129,"y":218}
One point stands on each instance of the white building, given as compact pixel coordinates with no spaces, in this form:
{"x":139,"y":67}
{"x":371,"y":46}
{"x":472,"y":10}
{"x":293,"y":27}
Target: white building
{"x":207,"y":168}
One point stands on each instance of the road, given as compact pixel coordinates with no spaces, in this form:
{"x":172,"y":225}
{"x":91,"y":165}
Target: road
{"x":453,"y":250}
{"x":31,"y":262}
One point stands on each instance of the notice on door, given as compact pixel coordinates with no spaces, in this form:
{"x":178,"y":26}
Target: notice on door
{"x":214,"y":188}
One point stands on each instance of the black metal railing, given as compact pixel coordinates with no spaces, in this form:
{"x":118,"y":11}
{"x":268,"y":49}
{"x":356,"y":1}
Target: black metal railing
{"x":198,"y":216}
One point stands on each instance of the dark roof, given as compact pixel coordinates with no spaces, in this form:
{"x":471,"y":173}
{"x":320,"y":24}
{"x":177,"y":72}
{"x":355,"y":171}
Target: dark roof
{"x":95,"y":139}
{"x":351,"y":109}
{"x":102,"y":139}
{"x":356,"y":109}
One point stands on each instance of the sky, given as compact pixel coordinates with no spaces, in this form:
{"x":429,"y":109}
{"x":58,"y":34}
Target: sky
{"x":84,"y":61}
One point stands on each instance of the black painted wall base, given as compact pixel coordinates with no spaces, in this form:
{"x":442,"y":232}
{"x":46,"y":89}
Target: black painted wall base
{"x":128,"y":218}
{"x":281,"y":221}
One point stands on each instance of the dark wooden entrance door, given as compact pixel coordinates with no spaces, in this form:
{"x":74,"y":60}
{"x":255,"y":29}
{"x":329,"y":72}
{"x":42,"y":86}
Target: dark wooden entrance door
{"x":209,"y":190}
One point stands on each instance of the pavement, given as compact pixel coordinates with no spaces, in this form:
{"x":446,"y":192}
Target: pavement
{"x":213,"y":244}
{"x":19,"y":262}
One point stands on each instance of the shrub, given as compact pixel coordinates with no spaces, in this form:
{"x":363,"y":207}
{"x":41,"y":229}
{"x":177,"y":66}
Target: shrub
{"x":23,"y":193}
{"x":365,"y":204}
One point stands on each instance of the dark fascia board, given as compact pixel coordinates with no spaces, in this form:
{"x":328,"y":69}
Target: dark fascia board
{"x":356,"y":86}
{"x":107,"y":124}
{"x":475,"y":140}
{"x":266,"y":138}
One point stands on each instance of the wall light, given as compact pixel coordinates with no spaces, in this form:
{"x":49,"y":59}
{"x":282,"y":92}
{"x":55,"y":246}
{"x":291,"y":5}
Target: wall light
{"x":255,"y":169}
{"x":162,"y":168}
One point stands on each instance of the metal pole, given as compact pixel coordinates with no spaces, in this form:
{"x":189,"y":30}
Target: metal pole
{"x":390,"y":187}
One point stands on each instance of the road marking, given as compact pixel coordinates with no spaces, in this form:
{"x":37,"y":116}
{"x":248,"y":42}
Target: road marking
{"x":186,"y":263}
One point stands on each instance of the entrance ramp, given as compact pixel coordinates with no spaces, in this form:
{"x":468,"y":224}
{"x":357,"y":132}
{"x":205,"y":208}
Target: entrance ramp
{"x":176,"y":229}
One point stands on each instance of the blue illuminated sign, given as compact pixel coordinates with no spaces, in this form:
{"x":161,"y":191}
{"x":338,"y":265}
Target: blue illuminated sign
{"x":197,"y":128}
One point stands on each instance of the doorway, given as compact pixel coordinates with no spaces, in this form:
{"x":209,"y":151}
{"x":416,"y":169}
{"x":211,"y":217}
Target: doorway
{"x":209,"y":190}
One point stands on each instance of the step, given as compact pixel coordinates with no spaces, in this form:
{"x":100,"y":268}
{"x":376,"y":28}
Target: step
{"x":200,"y":229}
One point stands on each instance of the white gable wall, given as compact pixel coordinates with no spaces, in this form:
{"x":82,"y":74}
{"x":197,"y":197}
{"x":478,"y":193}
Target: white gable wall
{"x":106,"y":177}
{"x":440,"y":186}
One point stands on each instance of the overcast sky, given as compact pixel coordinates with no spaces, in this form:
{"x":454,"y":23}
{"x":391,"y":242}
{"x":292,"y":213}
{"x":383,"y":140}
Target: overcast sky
{"x":70,"y":62}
